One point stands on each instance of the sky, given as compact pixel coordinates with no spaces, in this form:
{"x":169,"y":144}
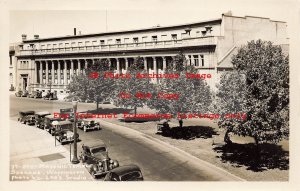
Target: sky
{"x":47,"y":19}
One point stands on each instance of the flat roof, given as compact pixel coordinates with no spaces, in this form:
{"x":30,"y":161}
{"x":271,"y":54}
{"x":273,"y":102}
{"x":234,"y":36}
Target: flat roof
{"x":126,"y":31}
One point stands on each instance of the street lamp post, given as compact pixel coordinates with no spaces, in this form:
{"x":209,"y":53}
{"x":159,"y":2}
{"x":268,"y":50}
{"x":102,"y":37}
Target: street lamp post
{"x":75,"y":159}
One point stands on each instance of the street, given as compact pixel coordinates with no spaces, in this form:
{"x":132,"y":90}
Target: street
{"x":156,"y":164}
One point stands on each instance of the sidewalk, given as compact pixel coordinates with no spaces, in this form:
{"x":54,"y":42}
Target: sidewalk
{"x":34,"y":156}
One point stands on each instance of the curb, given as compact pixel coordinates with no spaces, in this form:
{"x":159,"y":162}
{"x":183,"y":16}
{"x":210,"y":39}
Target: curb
{"x":155,"y":140}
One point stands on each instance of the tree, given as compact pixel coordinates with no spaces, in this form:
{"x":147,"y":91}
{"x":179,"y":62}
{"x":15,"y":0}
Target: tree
{"x":259,"y":87}
{"x":95,"y":87}
{"x":193,"y":94}
{"x":139,"y":89}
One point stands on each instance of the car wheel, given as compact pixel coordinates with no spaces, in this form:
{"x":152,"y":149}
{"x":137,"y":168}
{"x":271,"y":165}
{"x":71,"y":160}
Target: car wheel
{"x":93,"y":173}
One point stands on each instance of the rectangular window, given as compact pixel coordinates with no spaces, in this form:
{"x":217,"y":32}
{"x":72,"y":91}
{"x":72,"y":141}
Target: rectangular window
{"x":154,"y":38}
{"x":144,"y":39}
{"x":135,"y":40}
{"x":202,"y":60}
{"x":126,"y":40}
{"x":73,"y":44}
{"x":164,"y":37}
{"x":190,"y":60}
{"x":102,"y":42}
{"x":196,"y":60}
{"x":109,"y":41}
{"x":174,"y":36}
{"x":118,"y":41}
{"x":88,"y":45}
{"x":94,"y":43}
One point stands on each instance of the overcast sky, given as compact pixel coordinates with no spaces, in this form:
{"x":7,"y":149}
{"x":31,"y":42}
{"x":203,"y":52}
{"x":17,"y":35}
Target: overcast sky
{"x":43,"y":18}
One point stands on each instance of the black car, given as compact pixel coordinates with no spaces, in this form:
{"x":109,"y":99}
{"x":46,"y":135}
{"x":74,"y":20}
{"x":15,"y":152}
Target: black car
{"x":40,"y":117}
{"x":125,"y":173}
{"x":27,"y":117}
{"x":95,"y":156}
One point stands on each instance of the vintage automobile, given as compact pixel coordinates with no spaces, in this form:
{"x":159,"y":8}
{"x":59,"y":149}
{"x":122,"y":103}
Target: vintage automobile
{"x":35,"y":94}
{"x":95,"y":156}
{"x":163,"y":127}
{"x":47,"y":124}
{"x":24,"y":93}
{"x":125,"y":173}
{"x":18,"y":93}
{"x":51,"y":96}
{"x":88,"y":124}
{"x":40,"y":117}
{"x":27,"y":117}
{"x":63,"y":131}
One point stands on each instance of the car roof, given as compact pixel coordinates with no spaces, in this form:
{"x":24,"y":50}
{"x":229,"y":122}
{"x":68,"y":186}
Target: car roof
{"x":64,"y":122}
{"x":94,"y":143}
{"x":26,"y":112}
{"x":52,"y":117}
{"x":125,"y":169}
{"x":43,"y":113}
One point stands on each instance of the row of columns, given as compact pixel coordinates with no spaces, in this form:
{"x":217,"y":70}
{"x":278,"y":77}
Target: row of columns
{"x":39,"y":67}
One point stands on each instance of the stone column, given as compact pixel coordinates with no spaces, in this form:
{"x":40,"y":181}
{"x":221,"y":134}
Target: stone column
{"x":52,"y":72}
{"x":35,"y":72}
{"x":126,"y":64}
{"x":154,"y":65}
{"x":47,"y":72}
{"x":58,"y":72}
{"x":72,"y":69}
{"x":118,"y":65}
{"x":85,"y":66}
{"x":145,"y":64}
{"x":79,"y":67}
{"x":164,"y":63}
{"x":41,"y":72}
{"x":65,"y":72}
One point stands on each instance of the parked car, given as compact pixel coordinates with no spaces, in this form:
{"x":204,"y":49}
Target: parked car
{"x":51,"y":96}
{"x":18,"y":93}
{"x":47,"y":124}
{"x":88,"y":124}
{"x":125,"y":173}
{"x":95,"y":156}
{"x":163,"y":127}
{"x":63,"y":131}
{"x":24,"y":93}
{"x":40,"y":117}
{"x":27,"y":117}
{"x":35,"y":94}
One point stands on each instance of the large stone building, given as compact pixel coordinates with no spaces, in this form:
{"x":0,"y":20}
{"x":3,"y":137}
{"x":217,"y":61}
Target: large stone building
{"x":44,"y":63}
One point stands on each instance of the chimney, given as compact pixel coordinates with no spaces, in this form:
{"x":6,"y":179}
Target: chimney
{"x":36,"y":36}
{"x":74,"y":31}
{"x":24,"y":36}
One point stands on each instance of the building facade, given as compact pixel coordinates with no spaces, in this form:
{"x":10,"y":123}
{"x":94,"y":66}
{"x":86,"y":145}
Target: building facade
{"x":49,"y":63}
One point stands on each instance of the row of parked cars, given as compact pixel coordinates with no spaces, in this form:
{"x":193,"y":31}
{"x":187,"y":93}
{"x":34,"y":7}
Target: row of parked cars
{"x":37,"y":94}
{"x":94,"y":153}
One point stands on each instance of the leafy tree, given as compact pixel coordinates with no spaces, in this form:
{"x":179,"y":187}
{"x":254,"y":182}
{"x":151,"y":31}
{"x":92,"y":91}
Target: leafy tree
{"x":193,"y":94}
{"x":94,"y":87}
{"x":139,"y":89}
{"x":259,"y":87}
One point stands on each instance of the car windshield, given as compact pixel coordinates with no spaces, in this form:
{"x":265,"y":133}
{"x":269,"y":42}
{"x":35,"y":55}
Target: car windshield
{"x":131,"y":176}
{"x":98,"y":149}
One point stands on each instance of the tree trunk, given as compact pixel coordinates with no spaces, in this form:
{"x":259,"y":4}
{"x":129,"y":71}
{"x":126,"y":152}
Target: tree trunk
{"x":227,"y":137}
{"x":257,"y":152}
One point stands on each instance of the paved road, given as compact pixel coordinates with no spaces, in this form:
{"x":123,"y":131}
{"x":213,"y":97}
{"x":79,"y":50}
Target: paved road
{"x":156,"y":164}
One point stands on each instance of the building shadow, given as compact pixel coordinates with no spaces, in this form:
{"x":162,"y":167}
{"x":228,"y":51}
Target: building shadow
{"x":191,"y":132}
{"x":266,"y":156}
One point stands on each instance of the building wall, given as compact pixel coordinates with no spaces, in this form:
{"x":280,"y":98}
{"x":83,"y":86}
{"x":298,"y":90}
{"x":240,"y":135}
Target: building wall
{"x":213,"y":41}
